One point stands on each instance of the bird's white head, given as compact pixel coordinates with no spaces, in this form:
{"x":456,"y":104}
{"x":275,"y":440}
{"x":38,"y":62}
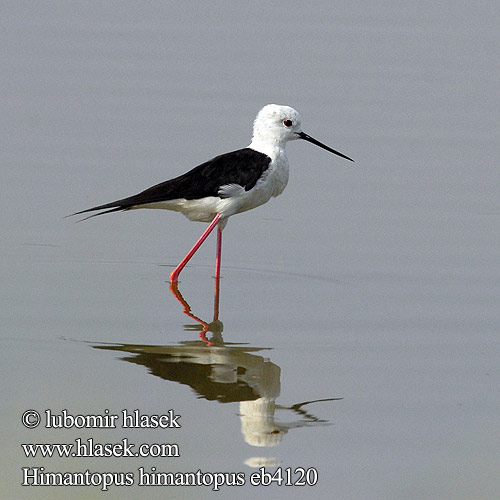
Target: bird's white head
{"x":275,"y":125}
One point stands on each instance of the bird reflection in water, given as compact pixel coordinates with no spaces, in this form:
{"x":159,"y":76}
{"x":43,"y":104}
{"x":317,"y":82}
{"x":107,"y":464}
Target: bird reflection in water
{"x":225,"y":372}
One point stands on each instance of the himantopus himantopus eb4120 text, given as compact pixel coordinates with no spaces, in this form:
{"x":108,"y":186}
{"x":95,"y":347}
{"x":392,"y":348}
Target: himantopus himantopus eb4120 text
{"x":227,"y":184}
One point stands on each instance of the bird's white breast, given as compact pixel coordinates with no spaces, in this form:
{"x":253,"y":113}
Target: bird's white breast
{"x":271,"y":184}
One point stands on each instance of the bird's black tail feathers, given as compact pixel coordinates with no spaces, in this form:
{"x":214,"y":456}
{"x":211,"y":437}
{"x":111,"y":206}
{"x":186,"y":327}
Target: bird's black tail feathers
{"x":113,"y":207}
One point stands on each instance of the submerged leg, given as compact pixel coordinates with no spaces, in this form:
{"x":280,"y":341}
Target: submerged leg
{"x":175,"y":273}
{"x":218,"y":256}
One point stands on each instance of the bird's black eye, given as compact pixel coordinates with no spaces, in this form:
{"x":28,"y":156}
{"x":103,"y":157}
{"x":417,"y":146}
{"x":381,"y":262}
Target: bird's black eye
{"x":288,"y":123}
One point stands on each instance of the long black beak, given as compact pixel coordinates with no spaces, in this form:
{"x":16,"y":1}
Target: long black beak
{"x":310,"y":139}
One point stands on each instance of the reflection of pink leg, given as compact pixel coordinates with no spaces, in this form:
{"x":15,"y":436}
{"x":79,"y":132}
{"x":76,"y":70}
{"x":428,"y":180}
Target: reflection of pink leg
{"x":187,"y":311}
{"x":219,"y":249}
{"x":174,"y":277}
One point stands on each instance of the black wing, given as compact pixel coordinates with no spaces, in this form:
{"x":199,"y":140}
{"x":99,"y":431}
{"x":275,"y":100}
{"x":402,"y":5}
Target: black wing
{"x":244,"y":167}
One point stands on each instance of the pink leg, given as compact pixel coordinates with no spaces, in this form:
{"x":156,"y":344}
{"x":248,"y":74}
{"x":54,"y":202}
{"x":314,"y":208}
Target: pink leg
{"x":216,"y":299}
{"x":218,"y":256}
{"x":175,"y":273}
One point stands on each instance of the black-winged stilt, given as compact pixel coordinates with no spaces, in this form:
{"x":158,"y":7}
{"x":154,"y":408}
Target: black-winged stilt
{"x":227,"y":184}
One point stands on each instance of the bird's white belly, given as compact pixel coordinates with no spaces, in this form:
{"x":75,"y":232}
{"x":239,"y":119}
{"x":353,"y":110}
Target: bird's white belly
{"x":203,"y":210}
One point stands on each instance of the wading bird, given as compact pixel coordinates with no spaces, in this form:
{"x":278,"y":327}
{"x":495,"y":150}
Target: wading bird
{"x":227,"y":184}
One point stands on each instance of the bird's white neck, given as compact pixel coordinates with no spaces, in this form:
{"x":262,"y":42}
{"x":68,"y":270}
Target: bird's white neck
{"x":273,"y":149}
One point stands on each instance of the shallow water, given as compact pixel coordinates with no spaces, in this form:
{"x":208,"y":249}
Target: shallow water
{"x":356,"y":333}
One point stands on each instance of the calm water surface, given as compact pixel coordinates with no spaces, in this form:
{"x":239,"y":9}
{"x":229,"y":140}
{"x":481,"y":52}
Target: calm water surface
{"x":355,"y":332}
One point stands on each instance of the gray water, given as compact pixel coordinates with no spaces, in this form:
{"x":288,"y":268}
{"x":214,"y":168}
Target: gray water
{"x":368,"y":291}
